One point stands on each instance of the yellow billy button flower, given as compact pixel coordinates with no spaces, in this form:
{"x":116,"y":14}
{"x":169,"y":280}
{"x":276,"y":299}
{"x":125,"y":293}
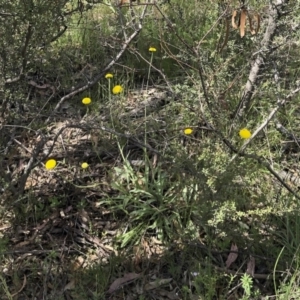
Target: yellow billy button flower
{"x":109,"y":75}
{"x":117,"y":89}
{"x":50,"y":164}
{"x":188,"y":131}
{"x":152,"y":49}
{"x":245,"y":134}
{"x":84,"y":165}
{"x":86,"y":101}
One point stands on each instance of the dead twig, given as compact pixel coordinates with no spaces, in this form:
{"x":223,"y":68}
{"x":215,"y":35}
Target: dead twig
{"x":102,"y":73}
{"x":259,"y":61}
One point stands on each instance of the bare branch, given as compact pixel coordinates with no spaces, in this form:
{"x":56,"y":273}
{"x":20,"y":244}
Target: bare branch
{"x":267,"y":120}
{"x":259,"y":61}
{"x":23,"y":55}
{"x":102,"y":73}
{"x":261,"y":161}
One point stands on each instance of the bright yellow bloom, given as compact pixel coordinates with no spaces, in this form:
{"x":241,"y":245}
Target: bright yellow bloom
{"x":84,"y":165}
{"x":109,"y":75}
{"x":188,"y":131}
{"x":245,"y":134}
{"x":152,"y":49}
{"x":117,"y":89}
{"x":50,"y":164}
{"x":86,"y":101}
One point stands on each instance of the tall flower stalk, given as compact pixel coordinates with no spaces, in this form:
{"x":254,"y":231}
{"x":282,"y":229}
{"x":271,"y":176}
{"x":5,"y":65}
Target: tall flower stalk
{"x":109,"y":76}
{"x":151,"y":50}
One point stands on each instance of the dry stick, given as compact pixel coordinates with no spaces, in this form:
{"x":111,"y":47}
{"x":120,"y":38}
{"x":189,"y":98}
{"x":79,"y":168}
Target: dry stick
{"x":211,"y":28}
{"x":261,"y":161}
{"x":266,"y":121}
{"x":101,"y":74}
{"x":22,"y":287}
{"x":261,"y":127}
{"x":37,"y":149}
{"x":256,"y":276}
{"x":258,"y":62}
{"x":103,"y":128}
{"x":122,"y":21}
{"x":171,"y":26}
{"x":36,"y":252}
{"x":32,"y":162}
{"x":23,"y":55}
{"x":287,"y":134}
{"x":157,"y":70}
{"x":193,"y":51}
{"x":200,"y":67}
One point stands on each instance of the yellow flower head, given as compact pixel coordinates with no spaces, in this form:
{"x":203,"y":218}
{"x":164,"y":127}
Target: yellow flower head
{"x":109,"y":75}
{"x":188,"y":131}
{"x":86,"y":101}
{"x":117,"y":89}
{"x":84,"y":165}
{"x":245,"y":134}
{"x":50,"y":164}
{"x":152,"y":49}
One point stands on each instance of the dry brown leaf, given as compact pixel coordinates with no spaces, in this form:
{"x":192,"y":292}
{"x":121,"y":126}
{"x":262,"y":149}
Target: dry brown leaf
{"x":234,"y":14}
{"x":243,"y":22}
{"x":22,"y":244}
{"x":31,"y":182}
{"x":84,"y":216}
{"x":70,"y":285}
{"x":251,"y":266}
{"x":147,"y":249}
{"x":78,"y":263}
{"x":232,"y":256}
{"x":121,"y":281}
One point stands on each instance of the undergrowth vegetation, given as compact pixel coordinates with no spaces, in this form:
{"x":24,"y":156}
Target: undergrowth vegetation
{"x":149,"y":150}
